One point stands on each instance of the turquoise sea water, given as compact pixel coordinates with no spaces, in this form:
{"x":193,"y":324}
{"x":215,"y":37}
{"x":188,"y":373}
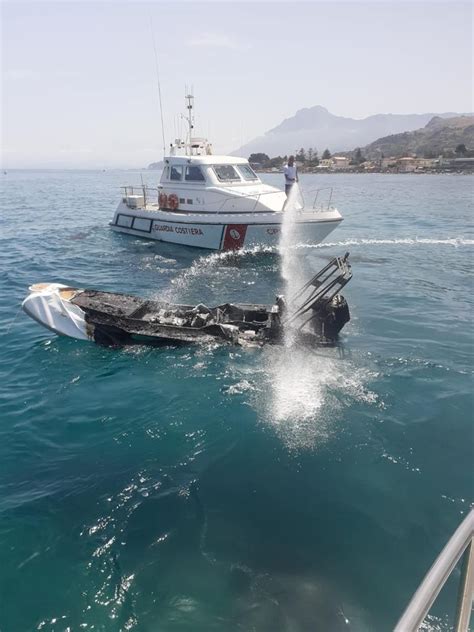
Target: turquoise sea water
{"x":227,"y":489}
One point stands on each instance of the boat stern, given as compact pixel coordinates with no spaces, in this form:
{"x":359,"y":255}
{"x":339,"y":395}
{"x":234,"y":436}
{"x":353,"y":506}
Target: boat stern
{"x":49,"y":304}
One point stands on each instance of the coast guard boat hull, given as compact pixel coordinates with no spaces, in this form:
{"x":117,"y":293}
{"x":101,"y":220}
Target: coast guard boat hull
{"x":224,"y":232}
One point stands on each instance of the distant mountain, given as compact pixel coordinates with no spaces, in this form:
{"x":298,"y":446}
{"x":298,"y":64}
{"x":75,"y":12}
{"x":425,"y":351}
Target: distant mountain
{"x":438,"y":136}
{"x":156,"y":165}
{"x":316,"y":127}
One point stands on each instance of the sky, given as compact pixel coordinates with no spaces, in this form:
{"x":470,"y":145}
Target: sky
{"x":79,"y":79}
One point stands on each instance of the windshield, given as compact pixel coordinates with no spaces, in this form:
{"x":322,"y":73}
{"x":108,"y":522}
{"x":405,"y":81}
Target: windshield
{"x":176,"y":172}
{"x":226,"y":173}
{"x":247,"y":172}
{"x":194,"y":174}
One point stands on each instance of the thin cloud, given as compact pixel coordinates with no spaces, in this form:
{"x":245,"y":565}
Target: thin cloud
{"x":25,"y":74}
{"x":21,"y":75}
{"x":216,"y":40}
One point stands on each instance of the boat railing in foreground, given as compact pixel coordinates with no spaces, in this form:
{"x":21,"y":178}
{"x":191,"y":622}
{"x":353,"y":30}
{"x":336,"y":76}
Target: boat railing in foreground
{"x":461,"y":543}
{"x":151,"y":196}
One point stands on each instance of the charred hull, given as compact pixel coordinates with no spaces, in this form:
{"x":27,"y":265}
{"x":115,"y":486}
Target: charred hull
{"x":163,"y":323}
{"x":316,"y":314}
{"x":120,"y":319}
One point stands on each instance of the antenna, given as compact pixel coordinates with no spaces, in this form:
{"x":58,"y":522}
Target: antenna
{"x":159,"y":86}
{"x":189,"y":106}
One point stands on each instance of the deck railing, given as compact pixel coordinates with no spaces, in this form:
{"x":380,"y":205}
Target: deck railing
{"x":150,"y":194}
{"x":142,"y":190}
{"x":460,"y":544}
{"x":324,"y":206}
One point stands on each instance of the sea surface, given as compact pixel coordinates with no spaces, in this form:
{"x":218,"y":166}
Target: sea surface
{"x":215,"y":488}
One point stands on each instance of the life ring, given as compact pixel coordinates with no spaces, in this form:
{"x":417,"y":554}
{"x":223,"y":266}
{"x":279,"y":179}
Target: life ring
{"x":173,"y":201}
{"x":163,"y":200}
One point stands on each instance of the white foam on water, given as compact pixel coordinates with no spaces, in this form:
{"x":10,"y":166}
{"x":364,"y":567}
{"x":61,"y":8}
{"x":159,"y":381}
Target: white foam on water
{"x":408,"y":241}
{"x":303,"y":394}
{"x":239,"y":387}
{"x":435,"y":624}
{"x":206,"y":265}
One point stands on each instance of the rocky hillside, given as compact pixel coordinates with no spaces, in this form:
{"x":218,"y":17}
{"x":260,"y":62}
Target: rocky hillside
{"x":439,"y":136}
{"x":316,"y":127}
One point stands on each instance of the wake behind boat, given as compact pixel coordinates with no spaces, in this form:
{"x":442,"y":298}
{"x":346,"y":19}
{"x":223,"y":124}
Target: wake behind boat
{"x":216,"y":202}
{"x":314,"y":315}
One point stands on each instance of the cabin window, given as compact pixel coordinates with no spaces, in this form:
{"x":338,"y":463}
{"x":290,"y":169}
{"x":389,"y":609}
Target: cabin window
{"x":247,"y":172}
{"x":176,"y":172}
{"x":194,"y":174}
{"x":226,"y":173}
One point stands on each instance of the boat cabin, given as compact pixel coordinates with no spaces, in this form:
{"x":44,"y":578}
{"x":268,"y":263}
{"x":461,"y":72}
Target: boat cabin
{"x":208,"y":171}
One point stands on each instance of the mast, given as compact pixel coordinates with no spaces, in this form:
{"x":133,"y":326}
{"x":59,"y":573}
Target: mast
{"x":192,"y":146}
{"x":190,"y":117}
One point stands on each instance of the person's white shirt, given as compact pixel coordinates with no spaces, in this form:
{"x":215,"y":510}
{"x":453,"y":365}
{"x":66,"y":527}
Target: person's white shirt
{"x":290,"y":173}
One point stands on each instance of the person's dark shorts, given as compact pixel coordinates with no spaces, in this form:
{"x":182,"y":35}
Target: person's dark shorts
{"x":288,"y":189}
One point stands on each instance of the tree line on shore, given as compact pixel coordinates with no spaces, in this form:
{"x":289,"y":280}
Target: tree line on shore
{"x":310,"y":157}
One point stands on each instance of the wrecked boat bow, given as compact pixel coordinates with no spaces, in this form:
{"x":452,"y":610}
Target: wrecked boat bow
{"x":316,"y":313}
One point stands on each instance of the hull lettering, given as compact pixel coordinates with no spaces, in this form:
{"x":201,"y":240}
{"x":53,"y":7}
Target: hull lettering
{"x":179,"y":230}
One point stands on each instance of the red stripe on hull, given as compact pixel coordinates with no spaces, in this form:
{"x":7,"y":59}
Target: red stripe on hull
{"x":234,"y":236}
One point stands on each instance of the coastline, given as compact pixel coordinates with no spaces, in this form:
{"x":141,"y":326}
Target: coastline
{"x":372,"y":171}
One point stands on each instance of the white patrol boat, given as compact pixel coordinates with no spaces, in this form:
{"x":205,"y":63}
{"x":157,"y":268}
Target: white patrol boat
{"x":215,"y":202}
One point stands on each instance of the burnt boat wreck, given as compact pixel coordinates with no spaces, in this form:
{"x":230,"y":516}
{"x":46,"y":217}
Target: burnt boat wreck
{"x":315,"y":315}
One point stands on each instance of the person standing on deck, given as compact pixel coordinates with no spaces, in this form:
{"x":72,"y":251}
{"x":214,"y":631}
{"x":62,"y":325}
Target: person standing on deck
{"x":291,"y":174}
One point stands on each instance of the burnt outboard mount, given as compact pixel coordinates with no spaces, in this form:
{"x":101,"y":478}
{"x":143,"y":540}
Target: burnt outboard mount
{"x":330,"y":318}
{"x":318,"y":307}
